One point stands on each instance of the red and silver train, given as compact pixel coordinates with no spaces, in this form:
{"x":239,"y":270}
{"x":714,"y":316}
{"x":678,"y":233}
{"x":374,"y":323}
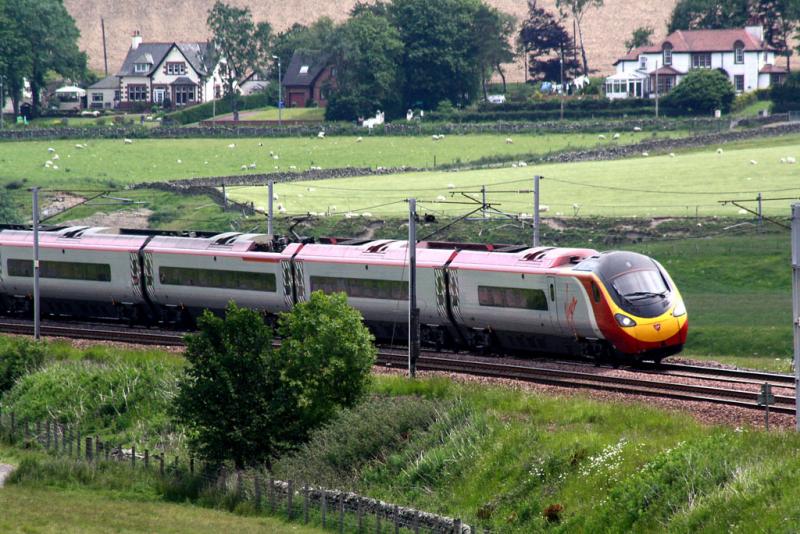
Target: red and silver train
{"x":470,"y":297}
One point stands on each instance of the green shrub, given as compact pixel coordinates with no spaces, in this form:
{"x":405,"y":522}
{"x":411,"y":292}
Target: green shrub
{"x":18,"y":357}
{"x":701,"y":92}
{"x":743,"y":100}
{"x":786,"y":97}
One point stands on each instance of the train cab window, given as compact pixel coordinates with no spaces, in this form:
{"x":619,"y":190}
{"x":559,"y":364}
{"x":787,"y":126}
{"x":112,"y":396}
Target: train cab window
{"x":361,"y":287}
{"x":217,"y":279}
{"x":552,"y":293}
{"x":512,"y":297}
{"x":595,"y":292}
{"x":62,"y":270}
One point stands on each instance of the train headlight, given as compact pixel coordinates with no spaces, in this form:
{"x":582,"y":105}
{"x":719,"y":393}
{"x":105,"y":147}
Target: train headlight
{"x":679,"y":310}
{"x":624,"y":321}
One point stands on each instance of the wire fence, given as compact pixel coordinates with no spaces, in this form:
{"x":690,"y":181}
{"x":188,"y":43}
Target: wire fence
{"x":257,"y":489}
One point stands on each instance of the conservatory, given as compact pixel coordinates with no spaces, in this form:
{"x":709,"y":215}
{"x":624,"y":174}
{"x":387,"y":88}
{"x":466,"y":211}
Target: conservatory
{"x":627,"y":84}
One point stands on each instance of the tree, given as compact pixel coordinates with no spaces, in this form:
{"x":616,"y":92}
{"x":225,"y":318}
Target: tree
{"x":43,"y":40}
{"x":709,"y":14}
{"x":243,"y":401}
{"x":780,"y":21}
{"x":786,"y":97}
{"x":8,"y":211}
{"x":492,"y":34}
{"x":440,"y":55}
{"x":241,"y":45}
{"x":641,"y":36}
{"x":578,"y":9}
{"x":544,"y":40}
{"x":368,"y":53}
{"x":701,"y":92}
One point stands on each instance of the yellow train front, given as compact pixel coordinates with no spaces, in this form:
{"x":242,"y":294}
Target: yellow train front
{"x":640,"y":311}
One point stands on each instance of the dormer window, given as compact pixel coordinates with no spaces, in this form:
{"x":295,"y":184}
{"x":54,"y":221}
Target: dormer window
{"x":738,"y":52}
{"x":667,"y":54}
{"x":304,"y":69}
{"x":141,"y":67}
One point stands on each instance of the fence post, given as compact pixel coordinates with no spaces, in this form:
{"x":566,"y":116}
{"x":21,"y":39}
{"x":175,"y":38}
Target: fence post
{"x":88,"y":449}
{"x":271,"y":494}
{"x":63,"y":438}
{"x":161,"y":464}
{"x":133,"y":456}
{"x":359,"y":515}
{"x":305,"y":503}
{"x":256,"y":488}
{"x":38,"y":432}
{"x":341,"y":513}
{"x":97,"y":447}
{"x":47,"y":435}
{"x":416,"y":522}
{"x":69,"y":443}
{"x":78,"y":444}
{"x":290,"y":491}
{"x":396,"y":519}
{"x":324,"y":506}
{"x":191,"y":466}
{"x":146,"y":458}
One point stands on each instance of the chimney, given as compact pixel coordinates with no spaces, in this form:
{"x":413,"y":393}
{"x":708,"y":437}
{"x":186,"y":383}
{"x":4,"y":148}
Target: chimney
{"x":136,"y":40}
{"x":756,"y":31}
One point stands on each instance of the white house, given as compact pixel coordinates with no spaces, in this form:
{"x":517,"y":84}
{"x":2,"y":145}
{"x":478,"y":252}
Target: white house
{"x":742,"y":54}
{"x":104,"y":94}
{"x":179,"y":74}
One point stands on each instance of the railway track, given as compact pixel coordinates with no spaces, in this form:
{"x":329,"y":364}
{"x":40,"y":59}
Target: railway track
{"x":656,"y":387}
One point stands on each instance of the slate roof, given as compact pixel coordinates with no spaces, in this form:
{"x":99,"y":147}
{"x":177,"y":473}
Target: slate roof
{"x":111,"y":82}
{"x":154,"y":54}
{"x":701,"y":41}
{"x":315,"y":62}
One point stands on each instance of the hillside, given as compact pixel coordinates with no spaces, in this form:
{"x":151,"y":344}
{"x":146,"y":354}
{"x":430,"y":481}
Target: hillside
{"x":605,"y":31}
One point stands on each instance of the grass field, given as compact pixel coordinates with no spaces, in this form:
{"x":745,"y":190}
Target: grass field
{"x":688,"y":184}
{"x":111,"y":163}
{"x":271,"y":114}
{"x":43,"y":510}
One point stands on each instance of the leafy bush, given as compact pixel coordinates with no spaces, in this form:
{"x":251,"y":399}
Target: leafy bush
{"x":246,"y":402}
{"x":18,"y":357}
{"x":701,"y":92}
{"x":743,"y":100}
{"x":786,"y":97}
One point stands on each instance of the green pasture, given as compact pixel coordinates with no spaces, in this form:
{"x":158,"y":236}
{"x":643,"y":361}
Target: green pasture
{"x":111,"y":163}
{"x":692,"y":183}
{"x":271,"y":114}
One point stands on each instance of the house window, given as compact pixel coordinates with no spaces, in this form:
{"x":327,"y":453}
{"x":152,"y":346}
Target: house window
{"x":643,"y":62}
{"x":304,"y":69}
{"x":116,"y":95}
{"x":97,"y":97}
{"x":158,"y":95}
{"x":176,"y":68}
{"x":665,"y":84}
{"x":184,"y":94}
{"x":738,"y":52}
{"x":141,"y":67}
{"x":777,"y":79}
{"x":667,"y":55}
{"x":137,"y":93}
{"x":701,"y":61}
{"x":738,"y":82}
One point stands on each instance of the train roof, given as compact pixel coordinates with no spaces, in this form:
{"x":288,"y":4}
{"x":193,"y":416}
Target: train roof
{"x":83,"y":237}
{"x":527,"y":260}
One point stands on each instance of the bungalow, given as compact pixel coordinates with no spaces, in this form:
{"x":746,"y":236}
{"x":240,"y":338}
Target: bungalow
{"x":104,"y":94}
{"x":175,"y":74}
{"x":742,"y":54}
{"x":308,"y":79}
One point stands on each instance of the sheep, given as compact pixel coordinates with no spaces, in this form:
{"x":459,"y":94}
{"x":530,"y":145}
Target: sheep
{"x":311,"y":189}
{"x":742,"y":212}
{"x":672,"y":154}
{"x":645,"y":154}
{"x":719,"y":151}
{"x":367,"y":214}
{"x":48,"y":163}
{"x":350,"y":215}
{"x":513,"y":165}
{"x":441,"y":198}
{"x":243,"y":167}
{"x":451,"y":186}
{"x":79,"y":146}
{"x":522,"y":164}
{"x":292,"y":167}
{"x":51,"y":150}
{"x":753,"y":162}
{"x":637,"y":129}
{"x":275,"y":196}
{"x":601,"y":136}
{"x":616,"y":136}
{"x":360,"y":139}
{"x":509,"y":141}
{"x":260,"y":144}
{"x":276,"y":157}
{"x":232,"y":145}
{"x":56,"y":157}
{"x":321,"y":135}
{"x":252,"y":165}
{"x":179,"y":162}
{"x":127,"y":141}
{"x":791,"y":159}
{"x":281,"y":208}
{"x":55,"y":167}
{"x":205,"y":163}
{"x":543,"y":208}
{"x":783,"y":160}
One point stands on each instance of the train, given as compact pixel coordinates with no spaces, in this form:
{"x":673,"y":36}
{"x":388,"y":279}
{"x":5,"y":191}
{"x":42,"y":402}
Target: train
{"x":471,"y":297}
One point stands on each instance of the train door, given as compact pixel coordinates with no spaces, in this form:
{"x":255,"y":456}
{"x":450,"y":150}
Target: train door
{"x":554,"y":304}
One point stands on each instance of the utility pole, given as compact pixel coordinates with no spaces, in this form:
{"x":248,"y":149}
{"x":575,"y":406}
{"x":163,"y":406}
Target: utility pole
{"x":36,"y":309}
{"x":561,"y":88}
{"x":270,"y":186}
{"x":413,"y":311}
{"x":280,"y":91}
{"x":796,"y":306}
{"x":105,"y":51}
{"x":2,"y":101}
{"x":760,"y":213}
{"x":536,"y":210}
{"x":483,"y":194}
